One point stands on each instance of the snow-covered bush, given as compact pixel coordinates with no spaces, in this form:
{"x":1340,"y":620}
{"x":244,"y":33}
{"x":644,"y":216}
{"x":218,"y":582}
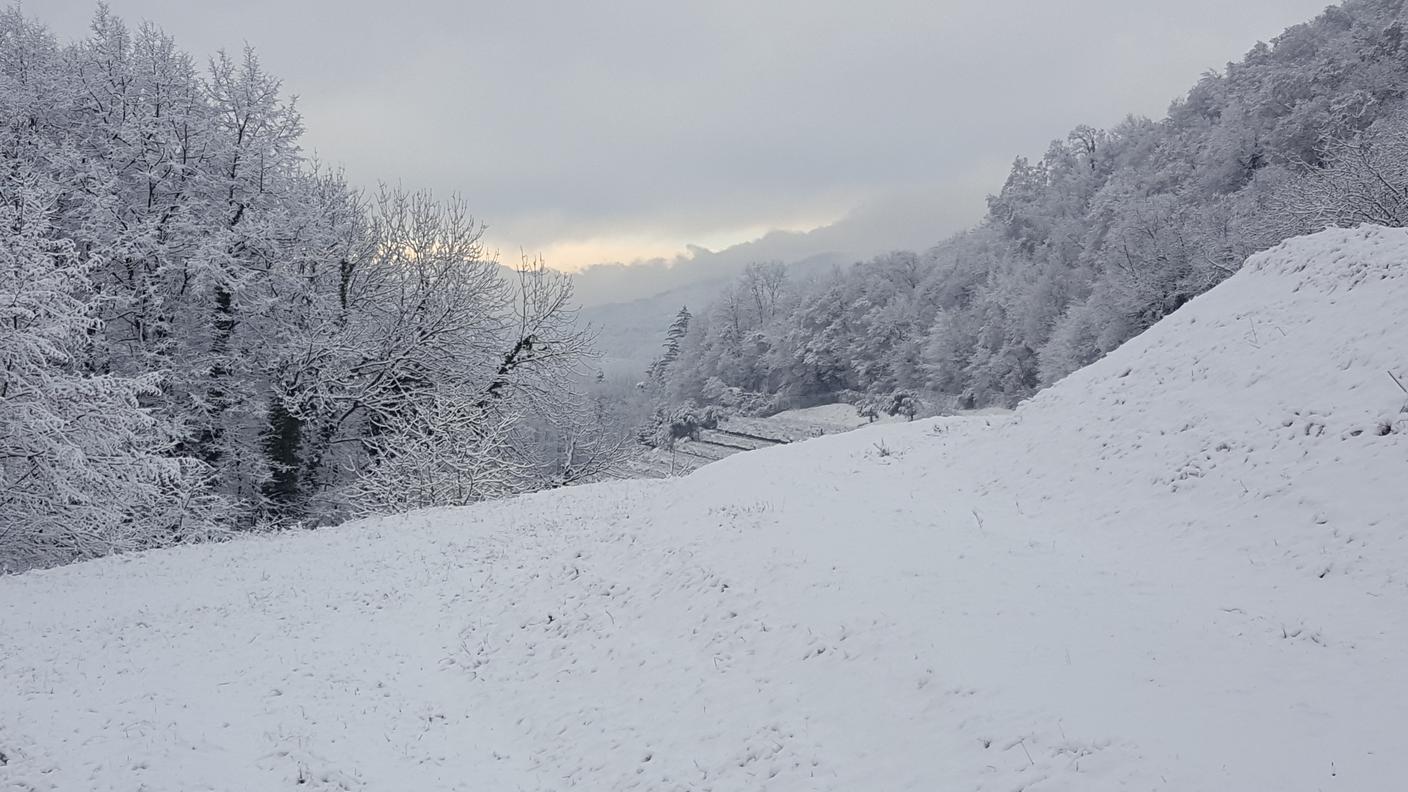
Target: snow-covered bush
{"x":669,"y":425}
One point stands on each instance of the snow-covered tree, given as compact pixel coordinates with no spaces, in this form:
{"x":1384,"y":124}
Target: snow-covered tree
{"x":1097,"y":239}
{"x":674,"y":336}
{"x":246,"y":323}
{"x":84,"y":469}
{"x":1363,"y":179}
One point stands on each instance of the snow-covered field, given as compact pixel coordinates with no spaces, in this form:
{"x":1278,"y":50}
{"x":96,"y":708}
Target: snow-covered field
{"x":1183,"y":568}
{"x":737,"y":434}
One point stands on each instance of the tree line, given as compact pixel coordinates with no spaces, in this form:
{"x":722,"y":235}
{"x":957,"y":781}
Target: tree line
{"x":205,"y":332}
{"x":1082,"y":249}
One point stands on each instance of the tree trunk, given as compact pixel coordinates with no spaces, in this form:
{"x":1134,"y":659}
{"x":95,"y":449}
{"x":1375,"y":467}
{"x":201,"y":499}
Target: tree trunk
{"x":282,"y":440}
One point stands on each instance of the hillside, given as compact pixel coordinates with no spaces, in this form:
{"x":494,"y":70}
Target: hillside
{"x":1180,"y":568}
{"x":1097,"y":239}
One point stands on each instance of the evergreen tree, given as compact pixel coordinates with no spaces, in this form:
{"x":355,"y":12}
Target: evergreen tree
{"x":679,"y":328}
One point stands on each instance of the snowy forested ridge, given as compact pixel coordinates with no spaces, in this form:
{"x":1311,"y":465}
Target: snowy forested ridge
{"x":1180,"y":568}
{"x":205,"y":332}
{"x":1086,"y":247}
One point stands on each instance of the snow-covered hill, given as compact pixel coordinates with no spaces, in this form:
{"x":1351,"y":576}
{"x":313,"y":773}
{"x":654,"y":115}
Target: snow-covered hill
{"x":1183,"y":568}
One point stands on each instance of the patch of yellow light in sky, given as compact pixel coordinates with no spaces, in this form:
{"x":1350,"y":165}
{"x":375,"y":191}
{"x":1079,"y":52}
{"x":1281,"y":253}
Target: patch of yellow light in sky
{"x":577,"y":254}
{"x":573,"y":255}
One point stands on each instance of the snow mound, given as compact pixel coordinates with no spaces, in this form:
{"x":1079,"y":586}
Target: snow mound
{"x":1183,"y":568}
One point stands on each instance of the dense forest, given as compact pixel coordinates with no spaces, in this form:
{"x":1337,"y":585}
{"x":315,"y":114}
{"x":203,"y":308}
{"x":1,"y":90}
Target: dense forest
{"x":1081,"y":250}
{"x":205,"y":332}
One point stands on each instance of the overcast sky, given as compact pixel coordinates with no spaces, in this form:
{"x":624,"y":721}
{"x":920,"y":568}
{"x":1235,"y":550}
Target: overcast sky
{"x":628,"y":129}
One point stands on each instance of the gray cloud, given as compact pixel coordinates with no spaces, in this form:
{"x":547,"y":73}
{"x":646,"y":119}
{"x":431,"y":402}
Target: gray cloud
{"x":687,"y":122}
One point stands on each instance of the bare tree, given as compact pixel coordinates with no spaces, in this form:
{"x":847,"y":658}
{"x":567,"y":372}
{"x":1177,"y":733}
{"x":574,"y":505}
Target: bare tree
{"x":1364,"y":179}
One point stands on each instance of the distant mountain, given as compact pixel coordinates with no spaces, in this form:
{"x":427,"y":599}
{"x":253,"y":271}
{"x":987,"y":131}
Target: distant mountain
{"x":629,"y":332}
{"x":896,"y":222}
{"x":605,"y":284}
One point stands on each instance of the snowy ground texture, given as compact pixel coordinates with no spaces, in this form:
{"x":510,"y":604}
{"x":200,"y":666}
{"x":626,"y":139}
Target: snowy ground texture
{"x":737,"y":434}
{"x":1184,"y":568}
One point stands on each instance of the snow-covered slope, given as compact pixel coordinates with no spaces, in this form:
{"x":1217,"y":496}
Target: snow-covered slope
{"x":1184,"y":568}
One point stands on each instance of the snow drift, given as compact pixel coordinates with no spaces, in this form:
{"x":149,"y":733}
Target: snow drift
{"x":1185,"y":567}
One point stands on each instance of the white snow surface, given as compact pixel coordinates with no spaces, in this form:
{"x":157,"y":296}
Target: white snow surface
{"x":842,"y":416}
{"x":1183,"y":568}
